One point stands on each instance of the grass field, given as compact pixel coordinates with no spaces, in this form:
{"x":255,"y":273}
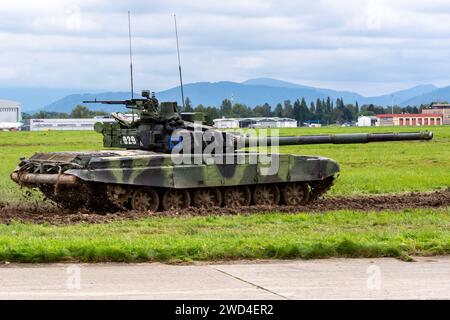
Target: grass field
{"x":366,"y":169}
{"x":14,"y":145}
{"x":281,"y":236}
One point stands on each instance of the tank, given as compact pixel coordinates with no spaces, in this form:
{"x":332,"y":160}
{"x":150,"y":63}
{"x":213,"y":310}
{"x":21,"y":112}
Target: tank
{"x":159,"y":161}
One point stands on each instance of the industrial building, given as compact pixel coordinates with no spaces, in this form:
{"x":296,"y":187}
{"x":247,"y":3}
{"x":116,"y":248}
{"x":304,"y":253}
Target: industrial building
{"x":261,"y":122}
{"x":431,"y":119}
{"x":439,"y":108}
{"x":9,"y":111}
{"x":10,"y":115}
{"x":64,"y":124}
{"x":226,"y":123}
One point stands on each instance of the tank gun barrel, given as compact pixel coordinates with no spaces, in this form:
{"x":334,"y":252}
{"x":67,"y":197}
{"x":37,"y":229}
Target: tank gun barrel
{"x":132,"y":103}
{"x":126,"y":102}
{"x":342,"y":138}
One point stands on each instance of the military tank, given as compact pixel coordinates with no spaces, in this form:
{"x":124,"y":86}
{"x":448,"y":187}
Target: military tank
{"x":159,"y":161}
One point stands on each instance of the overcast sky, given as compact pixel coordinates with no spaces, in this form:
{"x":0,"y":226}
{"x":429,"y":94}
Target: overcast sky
{"x":369,"y":46}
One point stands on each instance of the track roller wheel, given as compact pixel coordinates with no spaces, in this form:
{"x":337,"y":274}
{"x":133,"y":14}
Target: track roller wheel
{"x":266,"y":195}
{"x":295,"y":194}
{"x":145,"y":199}
{"x":120,"y":196}
{"x":175,"y":199}
{"x":235,"y":197}
{"x":207,"y":198}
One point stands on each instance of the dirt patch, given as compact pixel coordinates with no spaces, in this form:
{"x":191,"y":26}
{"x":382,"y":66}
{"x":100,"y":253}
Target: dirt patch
{"x":48,"y":213}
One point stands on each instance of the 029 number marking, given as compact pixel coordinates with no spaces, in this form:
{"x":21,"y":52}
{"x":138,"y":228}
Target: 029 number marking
{"x":129,"y":140}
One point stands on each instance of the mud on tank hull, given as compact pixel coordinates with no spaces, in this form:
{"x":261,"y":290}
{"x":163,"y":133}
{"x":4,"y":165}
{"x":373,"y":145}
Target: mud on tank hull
{"x":148,"y":181}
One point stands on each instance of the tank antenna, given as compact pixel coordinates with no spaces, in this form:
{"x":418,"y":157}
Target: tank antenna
{"x":179,"y":61}
{"x":131,"y":60}
{"x":131,"y":55}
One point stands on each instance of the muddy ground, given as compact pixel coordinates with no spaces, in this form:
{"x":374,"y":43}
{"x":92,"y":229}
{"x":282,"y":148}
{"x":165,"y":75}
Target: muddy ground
{"x":48,"y":213}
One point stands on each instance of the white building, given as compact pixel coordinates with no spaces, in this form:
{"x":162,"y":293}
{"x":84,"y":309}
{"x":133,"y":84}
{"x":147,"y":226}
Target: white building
{"x":9,"y":111}
{"x":274,"y":122}
{"x":268,"y":122}
{"x":10,"y":115}
{"x":367,"y":121}
{"x":65,"y":124}
{"x":225,"y":123}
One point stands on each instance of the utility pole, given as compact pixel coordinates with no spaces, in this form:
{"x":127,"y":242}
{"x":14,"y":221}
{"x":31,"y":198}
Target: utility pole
{"x":392,"y":103}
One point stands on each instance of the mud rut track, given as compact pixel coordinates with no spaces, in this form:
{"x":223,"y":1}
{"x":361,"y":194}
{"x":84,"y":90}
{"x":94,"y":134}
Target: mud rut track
{"x":42,"y":212}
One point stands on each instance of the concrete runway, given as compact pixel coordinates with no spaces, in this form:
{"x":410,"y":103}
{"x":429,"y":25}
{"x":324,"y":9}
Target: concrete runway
{"x":384,"y":278}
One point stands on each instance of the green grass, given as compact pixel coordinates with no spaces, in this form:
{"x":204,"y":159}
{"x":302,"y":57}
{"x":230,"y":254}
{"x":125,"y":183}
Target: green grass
{"x":14,"y":145}
{"x":281,"y":236}
{"x":389,"y":167}
{"x":366,"y":168}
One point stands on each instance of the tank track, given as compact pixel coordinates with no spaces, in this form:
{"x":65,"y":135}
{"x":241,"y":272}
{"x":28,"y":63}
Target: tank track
{"x":319,"y":188}
{"x":92,"y":196}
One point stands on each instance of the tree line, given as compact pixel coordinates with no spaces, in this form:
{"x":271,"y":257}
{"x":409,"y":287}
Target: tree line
{"x":324,"y":111}
{"x":79,"y":112}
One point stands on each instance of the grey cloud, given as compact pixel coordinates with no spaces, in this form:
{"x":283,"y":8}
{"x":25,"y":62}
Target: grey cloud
{"x":320,"y":41}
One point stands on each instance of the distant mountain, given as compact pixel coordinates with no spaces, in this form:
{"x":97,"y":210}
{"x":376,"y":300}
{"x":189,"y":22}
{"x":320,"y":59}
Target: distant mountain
{"x":258,"y":91}
{"x":438,"y":95}
{"x":346,"y":95}
{"x":269,"y":82}
{"x":401,"y":97}
{"x":67,"y":103}
{"x":206,"y":93}
{"x":33,"y":99}
{"x":214,"y":93}
{"x":251,"y":92}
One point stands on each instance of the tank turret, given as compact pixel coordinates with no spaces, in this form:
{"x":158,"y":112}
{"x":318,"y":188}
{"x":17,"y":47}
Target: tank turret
{"x":159,"y":127}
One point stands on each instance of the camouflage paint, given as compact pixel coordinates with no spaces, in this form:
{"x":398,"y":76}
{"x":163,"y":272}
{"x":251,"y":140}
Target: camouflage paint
{"x":157,"y":170}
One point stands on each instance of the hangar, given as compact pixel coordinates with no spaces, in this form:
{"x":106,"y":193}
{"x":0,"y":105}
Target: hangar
{"x":9,"y":111}
{"x":10,"y":115}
